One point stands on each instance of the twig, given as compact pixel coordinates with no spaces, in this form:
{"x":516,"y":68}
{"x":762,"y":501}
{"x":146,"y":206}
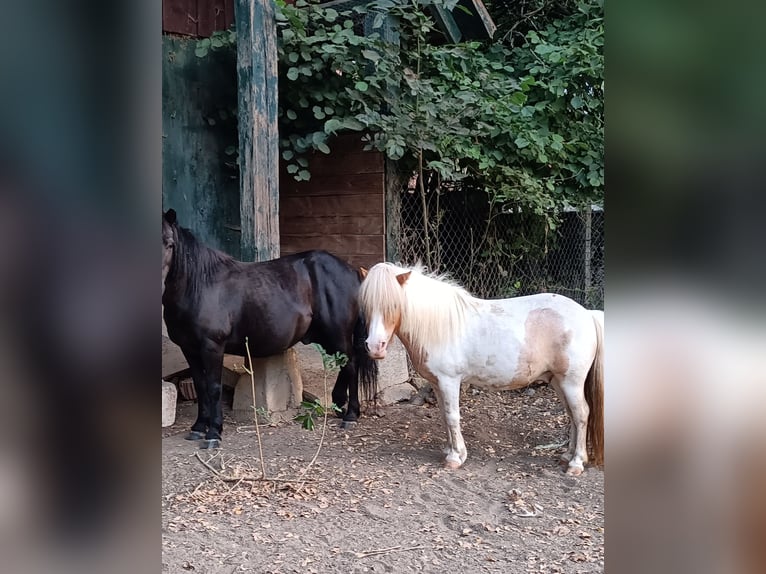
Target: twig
{"x":386,"y":551}
{"x":255,"y":409}
{"x":551,"y":446}
{"x":321,"y":439}
{"x":207,"y":465}
{"x":248,"y":478}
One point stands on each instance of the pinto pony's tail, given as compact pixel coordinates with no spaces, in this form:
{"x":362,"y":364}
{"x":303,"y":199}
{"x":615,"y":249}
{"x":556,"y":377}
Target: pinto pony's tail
{"x":367,"y":368}
{"x":594,"y":395}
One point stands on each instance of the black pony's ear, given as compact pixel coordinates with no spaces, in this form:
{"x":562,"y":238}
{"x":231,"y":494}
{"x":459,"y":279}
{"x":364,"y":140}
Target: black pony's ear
{"x":170,"y":216}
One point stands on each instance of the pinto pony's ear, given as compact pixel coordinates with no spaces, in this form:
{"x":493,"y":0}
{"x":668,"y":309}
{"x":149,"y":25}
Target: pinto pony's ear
{"x":170,"y":216}
{"x":402,"y":277}
{"x":363,"y":273}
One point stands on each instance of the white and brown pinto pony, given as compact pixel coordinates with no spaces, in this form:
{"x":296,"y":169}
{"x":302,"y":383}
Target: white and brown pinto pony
{"x":453,"y":338}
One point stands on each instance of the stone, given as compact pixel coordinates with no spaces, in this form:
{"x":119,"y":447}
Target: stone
{"x":169,"y":398}
{"x":173,"y":361}
{"x":278,"y":387}
{"x":394,"y":375}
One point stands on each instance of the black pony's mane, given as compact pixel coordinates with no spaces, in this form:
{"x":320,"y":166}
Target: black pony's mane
{"x":195,"y":262}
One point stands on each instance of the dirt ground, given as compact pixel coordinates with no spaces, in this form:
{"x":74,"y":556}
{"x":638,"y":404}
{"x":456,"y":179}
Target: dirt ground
{"x":377,"y":498}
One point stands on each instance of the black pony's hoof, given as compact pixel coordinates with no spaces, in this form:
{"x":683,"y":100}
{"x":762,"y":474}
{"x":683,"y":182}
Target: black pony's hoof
{"x":347,"y":425}
{"x":195,"y":435}
{"x":210,"y":443}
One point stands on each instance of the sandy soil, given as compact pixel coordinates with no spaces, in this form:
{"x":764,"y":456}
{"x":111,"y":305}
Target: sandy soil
{"x":377,"y":498}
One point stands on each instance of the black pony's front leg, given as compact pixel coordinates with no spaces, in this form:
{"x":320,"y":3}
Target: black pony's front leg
{"x":347,"y":380}
{"x":200,"y":426}
{"x":340,"y":391}
{"x":212,"y":365}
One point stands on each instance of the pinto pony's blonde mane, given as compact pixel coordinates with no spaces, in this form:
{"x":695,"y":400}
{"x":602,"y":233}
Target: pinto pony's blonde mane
{"x":430,"y":310}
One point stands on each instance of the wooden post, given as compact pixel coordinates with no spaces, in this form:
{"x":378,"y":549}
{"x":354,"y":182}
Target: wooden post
{"x":258,"y":133}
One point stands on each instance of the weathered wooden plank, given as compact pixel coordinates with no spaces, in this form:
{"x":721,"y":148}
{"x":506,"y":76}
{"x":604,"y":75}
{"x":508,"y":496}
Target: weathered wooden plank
{"x":195,"y":181}
{"x":345,"y":163}
{"x":353,"y":259}
{"x":345,"y":143}
{"x":258,"y":136}
{"x":345,"y":205}
{"x":311,"y":225}
{"x":223,"y":14}
{"x":329,"y":185}
{"x":366,"y":261}
{"x":478,"y":25}
{"x":445,"y":20}
{"x":179,"y":17}
{"x":359,"y":244}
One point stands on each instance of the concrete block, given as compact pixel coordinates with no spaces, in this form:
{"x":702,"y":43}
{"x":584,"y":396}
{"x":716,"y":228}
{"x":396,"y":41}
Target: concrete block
{"x":396,"y":394}
{"x":169,"y":398}
{"x":393,"y":385}
{"x":173,"y":360}
{"x":278,"y":387}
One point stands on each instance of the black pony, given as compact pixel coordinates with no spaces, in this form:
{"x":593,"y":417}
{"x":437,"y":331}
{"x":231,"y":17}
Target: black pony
{"x":212,"y":302}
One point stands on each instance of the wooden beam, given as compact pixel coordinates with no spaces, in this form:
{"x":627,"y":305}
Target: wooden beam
{"x":447,"y":23}
{"x":258,"y":134}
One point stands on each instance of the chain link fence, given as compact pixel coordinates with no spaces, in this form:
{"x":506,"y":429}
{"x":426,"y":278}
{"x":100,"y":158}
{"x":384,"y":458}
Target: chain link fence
{"x":500,"y":251}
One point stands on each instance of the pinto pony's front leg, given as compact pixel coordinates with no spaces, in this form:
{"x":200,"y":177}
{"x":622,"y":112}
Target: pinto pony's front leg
{"x":448,"y":395}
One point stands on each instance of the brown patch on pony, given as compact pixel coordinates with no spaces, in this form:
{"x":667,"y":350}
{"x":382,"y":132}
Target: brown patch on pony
{"x":419,"y":358}
{"x":402,"y":277}
{"x":363,"y":273}
{"x":544,"y":353}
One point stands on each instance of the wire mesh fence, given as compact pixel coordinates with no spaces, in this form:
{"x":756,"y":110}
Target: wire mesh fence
{"x":499,"y":251}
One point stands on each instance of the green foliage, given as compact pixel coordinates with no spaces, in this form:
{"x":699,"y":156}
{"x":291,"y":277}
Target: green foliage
{"x":332,"y":362}
{"x":526,"y":124}
{"x":521,"y":118}
{"x":312,"y":410}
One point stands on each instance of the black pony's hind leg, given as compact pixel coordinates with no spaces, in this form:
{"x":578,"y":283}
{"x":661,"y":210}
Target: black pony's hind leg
{"x":200,"y":426}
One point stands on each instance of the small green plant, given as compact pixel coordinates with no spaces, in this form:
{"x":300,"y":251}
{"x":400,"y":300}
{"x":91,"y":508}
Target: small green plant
{"x":331,"y":362}
{"x":312,"y":410}
{"x":263,"y":414}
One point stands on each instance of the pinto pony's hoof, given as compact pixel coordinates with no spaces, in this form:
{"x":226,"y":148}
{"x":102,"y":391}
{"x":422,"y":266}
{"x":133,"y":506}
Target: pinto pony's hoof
{"x":575,"y":470}
{"x":210,"y":443}
{"x":195,"y":435}
{"x":347,"y":425}
{"x":451,"y":464}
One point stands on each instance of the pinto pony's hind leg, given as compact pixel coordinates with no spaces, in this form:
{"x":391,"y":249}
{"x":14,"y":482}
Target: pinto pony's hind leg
{"x":574,"y":395}
{"x":569,"y":453}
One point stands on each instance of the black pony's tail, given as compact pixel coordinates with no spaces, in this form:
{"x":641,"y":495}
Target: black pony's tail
{"x":367,"y":368}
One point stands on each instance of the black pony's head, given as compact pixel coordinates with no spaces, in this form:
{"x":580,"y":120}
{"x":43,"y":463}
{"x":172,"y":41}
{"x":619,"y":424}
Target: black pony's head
{"x":168,"y":242}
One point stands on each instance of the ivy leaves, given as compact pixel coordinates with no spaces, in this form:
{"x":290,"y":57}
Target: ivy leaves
{"x":526,"y":124}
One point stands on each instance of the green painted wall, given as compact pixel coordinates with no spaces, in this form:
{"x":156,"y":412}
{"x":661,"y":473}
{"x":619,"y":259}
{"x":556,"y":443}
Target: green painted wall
{"x":198,"y":95}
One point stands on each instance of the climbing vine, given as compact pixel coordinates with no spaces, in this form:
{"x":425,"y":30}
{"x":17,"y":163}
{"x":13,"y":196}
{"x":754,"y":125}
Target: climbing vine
{"x":522,"y":117}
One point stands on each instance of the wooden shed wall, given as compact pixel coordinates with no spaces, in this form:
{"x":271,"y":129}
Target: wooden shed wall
{"x":194,"y":180}
{"x":341,"y":209}
{"x":196,"y":17}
